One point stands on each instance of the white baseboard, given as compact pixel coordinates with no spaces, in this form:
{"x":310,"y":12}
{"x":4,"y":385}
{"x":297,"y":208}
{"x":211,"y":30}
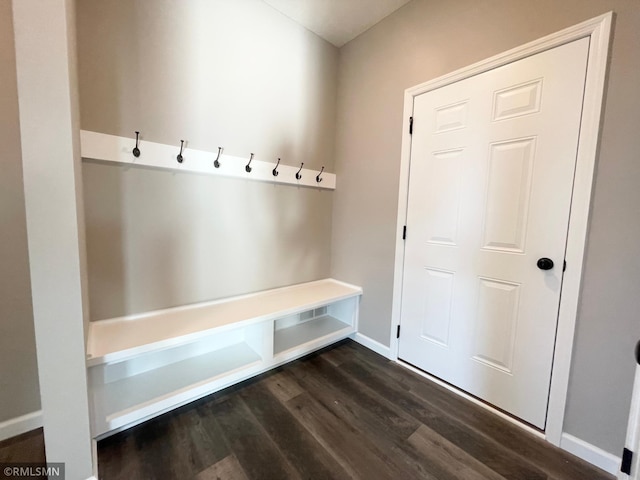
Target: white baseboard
{"x":371,"y":344}
{"x":16,"y":426}
{"x":590,"y":453}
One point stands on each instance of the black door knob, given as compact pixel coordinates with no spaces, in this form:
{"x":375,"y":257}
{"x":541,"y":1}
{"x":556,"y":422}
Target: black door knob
{"x":545,"y":263}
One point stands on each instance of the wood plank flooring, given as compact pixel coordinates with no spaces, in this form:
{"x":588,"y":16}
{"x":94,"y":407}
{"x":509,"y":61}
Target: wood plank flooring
{"x":344,"y":412}
{"x":25,"y":448}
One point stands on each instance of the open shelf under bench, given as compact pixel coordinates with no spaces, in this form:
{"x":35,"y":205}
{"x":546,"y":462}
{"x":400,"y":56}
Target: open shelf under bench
{"x":303,"y":333}
{"x":151,"y":392}
{"x":143,"y":365}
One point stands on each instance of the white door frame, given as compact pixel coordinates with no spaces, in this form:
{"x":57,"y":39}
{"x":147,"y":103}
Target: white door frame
{"x":599,"y":30}
{"x":632,"y":442}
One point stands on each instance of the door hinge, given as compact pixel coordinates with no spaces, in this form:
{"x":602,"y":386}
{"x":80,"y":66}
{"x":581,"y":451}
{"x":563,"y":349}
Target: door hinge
{"x":404,"y":232}
{"x":627,"y":457}
{"x":398,"y":332}
{"x":564,"y":266}
{"x":410,"y":125}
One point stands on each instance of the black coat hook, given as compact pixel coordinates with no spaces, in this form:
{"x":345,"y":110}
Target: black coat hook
{"x":180,"y":158}
{"x":136,"y":150}
{"x":248,"y":167}
{"x":298,"y":176}
{"x":216,"y":163}
{"x":318,"y":179}
{"x":275,"y":170}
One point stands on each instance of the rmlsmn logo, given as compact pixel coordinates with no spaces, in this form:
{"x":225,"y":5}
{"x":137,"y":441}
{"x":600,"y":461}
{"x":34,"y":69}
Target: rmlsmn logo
{"x":17,"y":471}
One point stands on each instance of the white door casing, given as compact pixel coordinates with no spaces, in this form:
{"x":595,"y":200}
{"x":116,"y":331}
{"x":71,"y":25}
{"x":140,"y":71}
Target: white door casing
{"x":492,"y":166}
{"x":598,"y":31}
{"x":632,"y":441}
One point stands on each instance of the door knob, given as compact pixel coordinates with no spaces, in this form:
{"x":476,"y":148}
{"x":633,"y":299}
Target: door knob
{"x":545,"y":263}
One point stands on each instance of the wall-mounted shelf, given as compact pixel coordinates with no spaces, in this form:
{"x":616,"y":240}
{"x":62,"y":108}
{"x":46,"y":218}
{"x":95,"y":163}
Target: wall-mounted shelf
{"x":111,"y":148}
{"x":143,"y":365}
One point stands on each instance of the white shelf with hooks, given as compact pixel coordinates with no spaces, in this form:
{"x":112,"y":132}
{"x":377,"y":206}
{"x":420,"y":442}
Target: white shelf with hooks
{"x":143,"y":365}
{"x":111,"y":148}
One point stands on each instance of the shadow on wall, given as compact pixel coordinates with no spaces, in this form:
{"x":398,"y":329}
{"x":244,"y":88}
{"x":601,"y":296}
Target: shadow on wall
{"x":103,"y":205}
{"x":216,"y":73}
{"x":158,"y":239}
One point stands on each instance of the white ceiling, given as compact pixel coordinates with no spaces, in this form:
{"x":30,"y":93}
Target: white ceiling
{"x":337,"y":21}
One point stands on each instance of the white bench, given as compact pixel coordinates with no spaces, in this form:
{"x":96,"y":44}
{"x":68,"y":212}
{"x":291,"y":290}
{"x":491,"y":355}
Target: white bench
{"x":141,"y":366}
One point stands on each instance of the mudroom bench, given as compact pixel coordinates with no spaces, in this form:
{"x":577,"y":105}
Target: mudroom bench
{"x":143,"y":365}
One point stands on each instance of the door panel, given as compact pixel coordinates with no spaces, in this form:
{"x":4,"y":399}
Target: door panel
{"x":436,"y":321}
{"x":495,"y":323}
{"x":509,"y":177}
{"x":443,"y":187}
{"x":492,"y":165}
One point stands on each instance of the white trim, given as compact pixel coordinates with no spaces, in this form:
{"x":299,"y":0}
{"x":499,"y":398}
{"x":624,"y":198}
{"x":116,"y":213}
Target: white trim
{"x":472,"y":399}
{"x":590,"y":453}
{"x":110,"y":148}
{"x":94,"y":456}
{"x":598,"y":29}
{"x":371,"y":344}
{"x":632,"y":441}
{"x":19,"y":425}
{"x":588,"y":145}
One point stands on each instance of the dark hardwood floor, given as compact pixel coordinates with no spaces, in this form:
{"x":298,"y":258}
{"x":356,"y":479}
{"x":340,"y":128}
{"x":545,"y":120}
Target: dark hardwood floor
{"x":25,"y":448}
{"x":344,"y":412}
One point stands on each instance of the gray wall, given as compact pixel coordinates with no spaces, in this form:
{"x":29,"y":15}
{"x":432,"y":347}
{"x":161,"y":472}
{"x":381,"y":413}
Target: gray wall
{"x":216,"y":73}
{"x":158,"y":239}
{"x":19,"y":392}
{"x":426,"y":39}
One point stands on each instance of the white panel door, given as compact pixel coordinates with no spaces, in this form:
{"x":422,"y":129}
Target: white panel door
{"x":492,"y":166}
